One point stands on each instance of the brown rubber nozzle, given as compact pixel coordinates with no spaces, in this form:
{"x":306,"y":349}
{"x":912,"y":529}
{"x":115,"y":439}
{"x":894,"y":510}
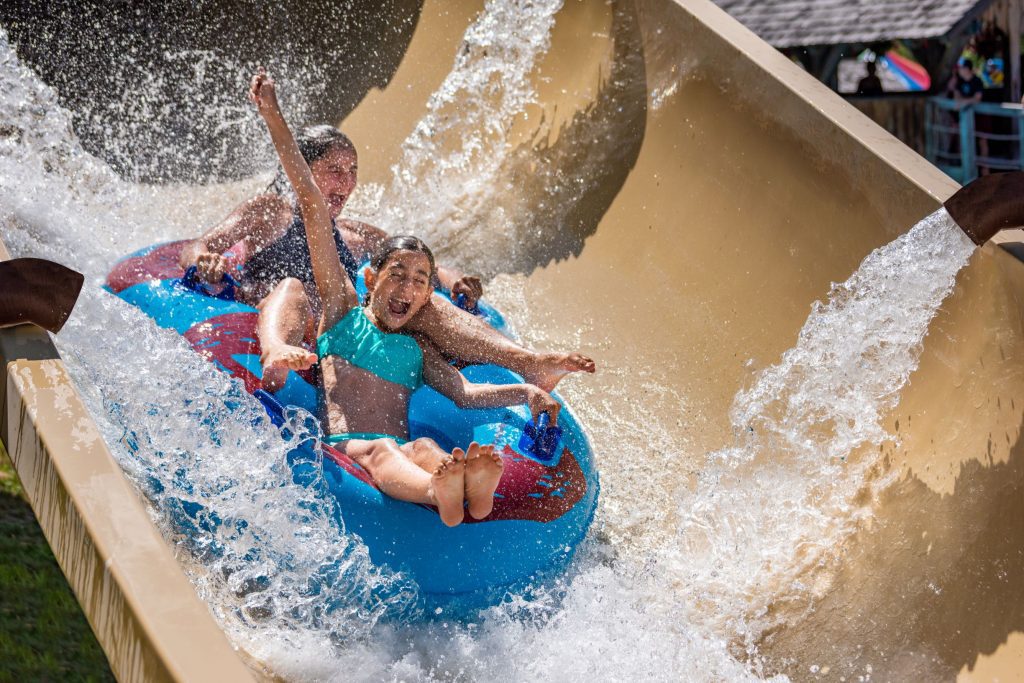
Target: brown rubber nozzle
{"x":37,"y":291}
{"x":989,"y":204}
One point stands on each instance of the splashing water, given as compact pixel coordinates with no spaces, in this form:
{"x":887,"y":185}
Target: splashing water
{"x":450,"y":163}
{"x":770,"y":508}
{"x":127,"y":74}
{"x":275,"y":558}
{"x":278,"y":570}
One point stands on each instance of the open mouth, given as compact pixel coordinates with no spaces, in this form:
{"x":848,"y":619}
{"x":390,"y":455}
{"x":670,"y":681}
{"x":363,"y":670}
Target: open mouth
{"x":337,"y":199}
{"x":398,"y":308}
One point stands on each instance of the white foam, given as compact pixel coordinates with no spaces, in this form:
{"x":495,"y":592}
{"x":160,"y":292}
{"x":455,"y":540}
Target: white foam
{"x":182,"y":431}
{"x":773,"y":505}
{"x":765,"y":510}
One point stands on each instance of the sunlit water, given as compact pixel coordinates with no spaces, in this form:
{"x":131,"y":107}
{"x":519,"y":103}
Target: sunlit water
{"x":293,"y":589}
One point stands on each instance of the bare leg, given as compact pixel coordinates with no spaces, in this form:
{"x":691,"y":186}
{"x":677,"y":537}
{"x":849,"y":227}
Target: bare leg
{"x":425,"y":453}
{"x":399,"y":477}
{"x":285,"y":319}
{"x":483,"y":472}
{"x":459,"y":334}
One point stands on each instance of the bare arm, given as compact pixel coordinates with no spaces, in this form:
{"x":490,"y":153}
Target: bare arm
{"x":336,"y":291}
{"x":369,"y":238}
{"x":457,"y":282}
{"x":257,"y":222}
{"x":453,"y":384}
{"x":448,"y":276}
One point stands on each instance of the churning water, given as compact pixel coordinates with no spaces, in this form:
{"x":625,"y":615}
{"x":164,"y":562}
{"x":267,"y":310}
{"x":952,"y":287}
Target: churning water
{"x":292,"y":588}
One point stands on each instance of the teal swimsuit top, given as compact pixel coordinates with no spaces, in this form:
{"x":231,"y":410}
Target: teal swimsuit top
{"x":393,"y":357}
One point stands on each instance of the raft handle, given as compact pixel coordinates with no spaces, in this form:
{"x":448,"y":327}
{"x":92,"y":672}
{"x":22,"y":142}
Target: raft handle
{"x":541,"y":438}
{"x":460,"y":301}
{"x":190,"y":282}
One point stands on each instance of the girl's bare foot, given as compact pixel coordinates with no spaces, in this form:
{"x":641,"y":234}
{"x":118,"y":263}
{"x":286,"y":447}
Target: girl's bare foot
{"x":447,"y":486}
{"x":278,"y":360}
{"x":550,"y":368}
{"x":483,"y":472}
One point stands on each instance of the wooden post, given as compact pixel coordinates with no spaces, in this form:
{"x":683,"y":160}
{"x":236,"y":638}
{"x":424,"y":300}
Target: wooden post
{"x":1013,"y":26}
{"x":828,"y":66}
{"x":967,"y":143}
{"x":1019,"y":122}
{"x":929,"y":133}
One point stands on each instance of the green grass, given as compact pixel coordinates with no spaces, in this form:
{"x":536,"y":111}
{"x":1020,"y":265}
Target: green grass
{"x":43,"y":634}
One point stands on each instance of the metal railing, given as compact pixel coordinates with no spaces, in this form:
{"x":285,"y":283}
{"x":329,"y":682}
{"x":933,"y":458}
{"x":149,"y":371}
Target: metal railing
{"x":967,"y":141}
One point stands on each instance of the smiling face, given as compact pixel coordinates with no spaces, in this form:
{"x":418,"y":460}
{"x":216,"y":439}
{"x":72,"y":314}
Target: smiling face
{"x":335,"y":175}
{"x":400,"y":288}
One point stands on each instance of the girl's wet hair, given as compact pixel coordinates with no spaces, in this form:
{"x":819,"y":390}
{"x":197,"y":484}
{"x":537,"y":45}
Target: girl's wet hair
{"x":402,"y":243}
{"x":314,"y":143}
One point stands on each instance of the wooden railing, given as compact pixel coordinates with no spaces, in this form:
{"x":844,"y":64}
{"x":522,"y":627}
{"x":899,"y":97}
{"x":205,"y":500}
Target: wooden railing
{"x":968,"y":141}
{"x":901,"y":115}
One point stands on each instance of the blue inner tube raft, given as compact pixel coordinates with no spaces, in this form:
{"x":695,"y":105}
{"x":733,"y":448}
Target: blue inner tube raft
{"x":544,"y":503}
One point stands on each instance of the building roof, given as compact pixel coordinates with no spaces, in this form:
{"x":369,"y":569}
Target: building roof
{"x":787,"y":23}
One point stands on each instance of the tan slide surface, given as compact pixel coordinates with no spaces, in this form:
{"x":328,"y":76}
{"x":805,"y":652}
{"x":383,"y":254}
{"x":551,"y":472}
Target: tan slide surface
{"x":727,"y":190}
{"x":673,"y":201}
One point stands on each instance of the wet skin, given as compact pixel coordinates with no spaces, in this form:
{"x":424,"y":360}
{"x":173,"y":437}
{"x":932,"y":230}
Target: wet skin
{"x":357,"y":400}
{"x":401,"y":286}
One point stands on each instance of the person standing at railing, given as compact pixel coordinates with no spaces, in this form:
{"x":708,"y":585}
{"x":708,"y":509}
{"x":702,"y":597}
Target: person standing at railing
{"x":965,"y":89}
{"x":964,"y":85}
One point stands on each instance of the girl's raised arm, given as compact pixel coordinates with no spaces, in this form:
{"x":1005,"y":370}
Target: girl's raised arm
{"x":337,"y":293}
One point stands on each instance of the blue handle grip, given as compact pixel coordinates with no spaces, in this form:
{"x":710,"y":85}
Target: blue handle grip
{"x":541,"y":438}
{"x":460,"y":301}
{"x":191,"y":282}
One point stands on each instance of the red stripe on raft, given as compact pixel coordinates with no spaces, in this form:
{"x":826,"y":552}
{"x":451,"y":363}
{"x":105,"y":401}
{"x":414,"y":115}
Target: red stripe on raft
{"x":221,"y":337}
{"x":159,"y":264}
{"x":528,"y":490}
{"x":349,"y":465}
{"x":535,"y":492}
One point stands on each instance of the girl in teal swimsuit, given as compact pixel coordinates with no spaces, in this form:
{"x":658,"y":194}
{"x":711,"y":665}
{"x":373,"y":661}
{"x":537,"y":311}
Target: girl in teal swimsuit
{"x":369,"y":369}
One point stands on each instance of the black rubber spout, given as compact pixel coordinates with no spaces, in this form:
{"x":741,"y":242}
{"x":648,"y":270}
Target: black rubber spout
{"x":38,"y":292}
{"x":989,"y":204}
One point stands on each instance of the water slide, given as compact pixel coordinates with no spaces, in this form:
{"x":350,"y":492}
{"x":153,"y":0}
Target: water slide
{"x":810,"y":456}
